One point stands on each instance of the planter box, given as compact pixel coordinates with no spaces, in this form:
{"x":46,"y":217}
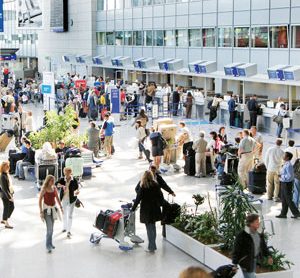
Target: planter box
{"x":186,"y":243}
{"x":208,"y":256}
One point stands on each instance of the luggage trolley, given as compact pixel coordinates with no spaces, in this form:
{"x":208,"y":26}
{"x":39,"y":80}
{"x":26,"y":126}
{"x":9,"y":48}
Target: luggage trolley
{"x":119,"y":230}
{"x":44,"y":168}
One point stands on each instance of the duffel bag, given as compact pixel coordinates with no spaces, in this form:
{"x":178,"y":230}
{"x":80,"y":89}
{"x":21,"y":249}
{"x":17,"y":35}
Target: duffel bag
{"x":170,"y":212}
{"x":111,"y":224}
{"x":101,"y":217}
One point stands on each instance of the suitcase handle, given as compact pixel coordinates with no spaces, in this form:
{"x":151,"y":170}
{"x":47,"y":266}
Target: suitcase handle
{"x":172,"y":199}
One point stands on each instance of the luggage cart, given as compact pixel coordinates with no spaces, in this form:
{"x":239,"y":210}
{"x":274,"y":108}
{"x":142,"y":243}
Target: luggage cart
{"x":125,"y":229}
{"x":44,"y":168}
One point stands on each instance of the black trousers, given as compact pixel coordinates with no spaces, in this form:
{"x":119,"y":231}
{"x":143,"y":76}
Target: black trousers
{"x":13,"y":159}
{"x":287,"y":198}
{"x":8,"y":208}
{"x":253,"y":118}
{"x":213,"y":113}
{"x":232,"y":118}
{"x":175,"y":108}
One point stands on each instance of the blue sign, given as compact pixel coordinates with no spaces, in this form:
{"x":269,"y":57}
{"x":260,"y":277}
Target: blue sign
{"x":288,"y":75}
{"x":241,"y":72}
{"x":197,"y":68}
{"x":272,"y":74}
{"x":234,"y":71}
{"x":1,"y":17}
{"x":115,"y":101}
{"x":228,"y":71}
{"x":46,"y":89}
{"x":8,"y":57}
{"x":203,"y":69}
{"x":280,"y":74}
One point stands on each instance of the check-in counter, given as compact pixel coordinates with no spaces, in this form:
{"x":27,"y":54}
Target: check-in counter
{"x":223,"y":115}
{"x":265,"y":122}
{"x":199,"y":104}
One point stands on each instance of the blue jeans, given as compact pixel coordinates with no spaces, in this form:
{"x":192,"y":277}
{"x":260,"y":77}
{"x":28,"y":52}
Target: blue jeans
{"x":49,"y":224}
{"x":279,"y":130}
{"x":151,"y":233}
{"x":20,"y":168}
{"x":249,"y":274}
{"x":296,"y":193}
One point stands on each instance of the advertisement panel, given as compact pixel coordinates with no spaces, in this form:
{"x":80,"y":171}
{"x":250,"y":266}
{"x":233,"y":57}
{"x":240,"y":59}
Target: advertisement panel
{"x":1,"y":17}
{"x":29,"y":14}
{"x":115,"y":101}
{"x":81,"y":83}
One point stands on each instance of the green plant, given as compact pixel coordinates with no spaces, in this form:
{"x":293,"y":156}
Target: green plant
{"x":279,"y":261}
{"x":58,"y":127}
{"x":198,"y":200}
{"x":235,"y":206}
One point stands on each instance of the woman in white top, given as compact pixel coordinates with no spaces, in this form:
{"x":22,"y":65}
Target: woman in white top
{"x":282,"y":112}
{"x":47,"y":153}
{"x":211,"y":147}
{"x":29,"y":122}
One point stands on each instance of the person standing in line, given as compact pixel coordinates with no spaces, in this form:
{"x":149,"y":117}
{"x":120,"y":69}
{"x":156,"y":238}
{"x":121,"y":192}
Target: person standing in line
{"x":281,"y":113}
{"x":293,"y":150}
{"x":245,"y":153}
{"x":93,"y":138}
{"x":273,"y":161}
{"x":200,"y":147}
{"x":151,"y":199}
{"x":253,"y":107}
{"x":211,"y":148}
{"x":189,"y":105}
{"x":108,"y":127}
{"x":232,"y":110}
{"x":6,"y":193}
{"x":176,"y":100}
{"x":279,"y":103}
{"x":68,"y":192}
{"x":157,"y":147}
{"x":213,"y":109}
{"x":48,"y":209}
{"x":296,"y":192}
{"x":249,"y":247}
{"x":222,"y":135}
{"x":22,"y":120}
{"x":259,"y":143}
{"x":287,"y":183}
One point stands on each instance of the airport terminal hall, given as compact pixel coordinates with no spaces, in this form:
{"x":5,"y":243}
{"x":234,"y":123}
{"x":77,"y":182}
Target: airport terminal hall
{"x":149,"y":138}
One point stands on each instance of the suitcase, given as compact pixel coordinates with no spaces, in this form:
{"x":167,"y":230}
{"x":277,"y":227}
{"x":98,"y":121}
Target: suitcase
{"x":6,"y":121}
{"x":94,"y":114}
{"x":170,"y":212}
{"x":87,"y":172}
{"x":257,"y":182}
{"x":82,"y":114}
{"x":190,"y":165}
{"x":209,"y":169}
{"x":111,"y":224}
{"x":4,"y":141}
{"x":100,"y":219}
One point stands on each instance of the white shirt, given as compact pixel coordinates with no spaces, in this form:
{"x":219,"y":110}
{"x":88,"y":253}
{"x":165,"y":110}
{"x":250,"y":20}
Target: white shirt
{"x":274,"y":159}
{"x":278,"y":104}
{"x":295,"y":153}
{"x":141,"y":133}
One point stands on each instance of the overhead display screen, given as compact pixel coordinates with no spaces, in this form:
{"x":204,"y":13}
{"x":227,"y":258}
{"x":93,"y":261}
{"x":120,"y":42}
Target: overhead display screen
{"x":59,"y":16}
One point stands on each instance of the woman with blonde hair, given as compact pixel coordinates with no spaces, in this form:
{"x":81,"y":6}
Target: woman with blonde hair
{"x":48,"y":209}
{"x":194,"y":272}
{"x":151,"y":199}
{"x":6,"y":193}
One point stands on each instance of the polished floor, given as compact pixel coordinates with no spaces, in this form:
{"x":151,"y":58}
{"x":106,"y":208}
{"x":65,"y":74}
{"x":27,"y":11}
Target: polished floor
{"x":22,"y":250}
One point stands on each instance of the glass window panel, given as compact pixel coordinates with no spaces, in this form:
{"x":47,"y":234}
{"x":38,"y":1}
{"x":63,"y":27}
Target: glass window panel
{"x":158,"y":38}
{"x":260,"y":37}
{"x":119,"y":37}
{"x":110,"y":38}
{"x":225,"y":37}
{"x":138,"y":38}
{"x":100,"y":38}
{"x":182,"y":38}
{"x":296,"y":37}
{"x":110,"y":4}
{"x":209,"y":37}
{"x":127,"y":3}
{"x":169,"y":38}
{"x":148,"y":37}
{"x":147,"y":2}
{"x":195,"y":37}
{"x":157,"y":2}
{"x":127,"y":38}
{"x":170,"y":1}
{"x":241,"y":37}
{"x":101,"y":5}
{"x":278,"y":37}
{"x":119,"y":4}
{"x":137,"y":3}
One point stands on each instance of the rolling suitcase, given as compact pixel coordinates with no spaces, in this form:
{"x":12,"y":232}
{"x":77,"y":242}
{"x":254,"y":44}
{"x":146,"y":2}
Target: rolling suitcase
{"x":111,"y":224}
{"x":45,"y":170}
{"x":4,"y":141}
{"x":190,"y":165}
{"x":170,"y":212}
{"x":257,"y":182}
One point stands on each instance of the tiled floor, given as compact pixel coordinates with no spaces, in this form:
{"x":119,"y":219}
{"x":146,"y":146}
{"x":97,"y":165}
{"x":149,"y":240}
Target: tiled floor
{"x":22,"y":250}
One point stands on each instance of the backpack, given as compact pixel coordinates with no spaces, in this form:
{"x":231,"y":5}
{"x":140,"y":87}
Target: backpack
{"x":209,"y":104}
{"x":297,"y":169}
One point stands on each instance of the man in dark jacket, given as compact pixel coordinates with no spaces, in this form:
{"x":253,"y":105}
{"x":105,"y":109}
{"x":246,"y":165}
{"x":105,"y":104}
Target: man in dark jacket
{"x":231,"y":108}
{"x":176,"y":100}
{"x":250,"y":246}
{"x":28,"y":160}
{"x":253,"y":107}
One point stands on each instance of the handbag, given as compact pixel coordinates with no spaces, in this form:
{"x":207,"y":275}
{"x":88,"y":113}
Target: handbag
{"x":277,"y":119}
{"x":78,"y":203}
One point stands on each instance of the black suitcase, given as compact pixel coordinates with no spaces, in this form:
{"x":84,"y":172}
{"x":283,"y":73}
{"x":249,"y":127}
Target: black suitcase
{"x":82,"y":114}
{"x":189,"y":166}
{"x":45,"y":170}
{"x":170,"y":212}
{"x":257,"y":182}
{"x":209,"y":169}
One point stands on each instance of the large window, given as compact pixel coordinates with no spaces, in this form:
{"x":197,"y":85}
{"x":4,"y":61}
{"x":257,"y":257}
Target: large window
{"x":101,"y":5}
{"x":137,"y":3}
{"x":157,"y":2}
{"x":147,"y":2}
{"x":119,"y":4}
{"x":296,"y":37}
{"x":195,"y":37}
{"x":278,"y":37}
{"x":225,"y":37}
{"x":127,"y":38}
{"x":241,"y":37}
{"x":170,"y":38}
{"x":182,"y":38}
{"x":260,"y":37}
{"x":148,"y":38}
{"x":110,"y":4}
{"x":158,"y":38}
{"x":127,"y":3}
{"x":100,"y":38}
{"x":119,"y":37}
{"x":209,"y":37}
{"x":110,"y":38}
{"x":138,"y":38}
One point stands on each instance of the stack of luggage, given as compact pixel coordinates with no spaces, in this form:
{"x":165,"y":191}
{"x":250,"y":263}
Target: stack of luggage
{"x":258,"y":179}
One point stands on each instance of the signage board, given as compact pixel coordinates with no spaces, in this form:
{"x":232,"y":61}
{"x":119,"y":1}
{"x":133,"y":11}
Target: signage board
{"x":80,"y":83}
{"x":1,"y":17}
{"x":46,"y":89}
{"x":115,"y":101}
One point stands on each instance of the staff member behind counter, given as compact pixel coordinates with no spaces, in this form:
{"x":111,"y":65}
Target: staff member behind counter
{"x":253,"y":108}
{"x":245,"y":153}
